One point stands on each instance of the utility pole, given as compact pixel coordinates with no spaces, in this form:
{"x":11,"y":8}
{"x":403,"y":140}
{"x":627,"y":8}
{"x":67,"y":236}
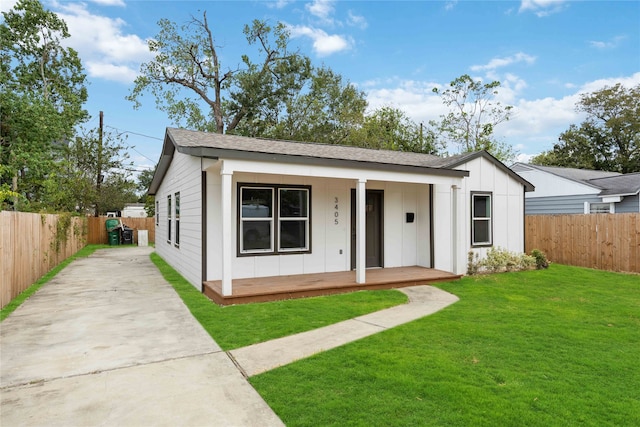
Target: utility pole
{"x":99,"y":177}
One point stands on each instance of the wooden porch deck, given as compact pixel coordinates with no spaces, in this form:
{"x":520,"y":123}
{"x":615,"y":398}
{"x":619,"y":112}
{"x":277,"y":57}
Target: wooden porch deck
{"x":306,"y":285}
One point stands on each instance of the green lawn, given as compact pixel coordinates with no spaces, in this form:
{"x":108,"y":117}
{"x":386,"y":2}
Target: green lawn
{"x":241,"y":325}
{"x":557,"y":347}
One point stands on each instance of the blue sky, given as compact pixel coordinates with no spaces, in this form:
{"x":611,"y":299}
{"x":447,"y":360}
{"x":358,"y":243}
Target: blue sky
{"x":544,"y":52}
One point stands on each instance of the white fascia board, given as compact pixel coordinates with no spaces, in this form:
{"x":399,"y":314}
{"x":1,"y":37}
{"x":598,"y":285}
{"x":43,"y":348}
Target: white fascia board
{"x":612,"y":199}
{"x":317,"y":171}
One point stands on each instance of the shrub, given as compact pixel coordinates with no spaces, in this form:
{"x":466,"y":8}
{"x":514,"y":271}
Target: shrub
{"x":498,"y":260}
{"x":541,"y":259}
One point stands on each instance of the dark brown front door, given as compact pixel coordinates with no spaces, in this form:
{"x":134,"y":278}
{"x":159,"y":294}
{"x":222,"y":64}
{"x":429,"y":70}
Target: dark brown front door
{"x":374,"y":226}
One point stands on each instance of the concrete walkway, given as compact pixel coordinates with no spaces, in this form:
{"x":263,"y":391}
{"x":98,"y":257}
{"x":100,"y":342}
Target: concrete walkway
{"x":109,"y":342}
{"x":261,"y":357}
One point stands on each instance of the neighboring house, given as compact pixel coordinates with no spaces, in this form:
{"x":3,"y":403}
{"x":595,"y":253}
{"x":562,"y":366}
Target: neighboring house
{"x":579,"y":191}
{"x":134,"y":210}
{"x":231,"y":207}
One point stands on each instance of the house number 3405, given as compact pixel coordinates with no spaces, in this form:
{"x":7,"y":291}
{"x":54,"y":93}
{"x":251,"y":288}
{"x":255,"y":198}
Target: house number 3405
{"x":336,"y":211}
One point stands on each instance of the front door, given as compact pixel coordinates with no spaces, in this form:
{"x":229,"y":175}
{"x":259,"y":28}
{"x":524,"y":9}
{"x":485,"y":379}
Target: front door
{"x":374,"y":206}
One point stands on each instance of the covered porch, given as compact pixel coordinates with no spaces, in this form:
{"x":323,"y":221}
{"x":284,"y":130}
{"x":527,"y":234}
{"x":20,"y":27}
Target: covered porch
{"x":276,"y":288}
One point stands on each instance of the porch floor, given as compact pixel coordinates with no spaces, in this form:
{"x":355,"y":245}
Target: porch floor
{"x":275,"y":288}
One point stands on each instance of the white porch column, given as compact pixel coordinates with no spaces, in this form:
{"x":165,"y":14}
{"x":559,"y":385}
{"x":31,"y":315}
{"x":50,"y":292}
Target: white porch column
{"x":454,"y":229}
{"x":361,"y":231}
{"x":227,"y":241}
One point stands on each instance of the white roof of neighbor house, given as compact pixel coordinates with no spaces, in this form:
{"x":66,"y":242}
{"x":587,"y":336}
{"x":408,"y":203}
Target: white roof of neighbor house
{"x":213,"y":145}
{"x":610,"y":183}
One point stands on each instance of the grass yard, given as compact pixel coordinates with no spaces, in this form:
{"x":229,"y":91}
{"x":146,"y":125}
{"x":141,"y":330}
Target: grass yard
{"x":241,"y":325}
{"x":557,"y":347}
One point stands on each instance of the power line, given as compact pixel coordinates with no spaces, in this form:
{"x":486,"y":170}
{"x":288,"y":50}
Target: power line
{"x":138,"y":134}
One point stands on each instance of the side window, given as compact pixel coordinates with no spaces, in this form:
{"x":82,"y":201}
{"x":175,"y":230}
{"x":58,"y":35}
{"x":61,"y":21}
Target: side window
{"x":481,"y":219}
{"x":169,"y":218}
{"x":177,"y":221}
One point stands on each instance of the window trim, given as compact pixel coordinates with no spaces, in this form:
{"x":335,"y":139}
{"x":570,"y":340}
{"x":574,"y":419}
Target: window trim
{"x":169,"y":207}
{"x":176,"y":204}
{"x":488,"y":194}
{"x":275,"y":220}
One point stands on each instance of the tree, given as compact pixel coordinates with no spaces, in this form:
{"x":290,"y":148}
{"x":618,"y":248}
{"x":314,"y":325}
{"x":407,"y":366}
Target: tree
{"x":85,"y":161}
{"x":327,"y":110}
{"x":391,"y":129}
{"x":473,"y":116}
{"x":609,"y":138}
{"x":144,"y":182}
{"x":41,"y":98}
{"x":187,"y":73}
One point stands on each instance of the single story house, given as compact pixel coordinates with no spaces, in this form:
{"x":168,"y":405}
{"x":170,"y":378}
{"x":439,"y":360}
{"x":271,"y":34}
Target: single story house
{"x":230,"y":208}
{"x":561,"y":190}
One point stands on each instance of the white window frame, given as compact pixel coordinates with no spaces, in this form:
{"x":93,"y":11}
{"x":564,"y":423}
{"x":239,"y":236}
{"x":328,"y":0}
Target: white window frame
{"x":176,"y":204}
{"x":274,"y":221}
{"x":488,"y":219}
{"x":169,"y":207}
{"x":306,"y":219}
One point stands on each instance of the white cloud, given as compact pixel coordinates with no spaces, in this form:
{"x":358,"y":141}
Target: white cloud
{"x":503,"y":62}
{"x":450,"y":4}
{"x":7,"y":5}
{"x":542,"y":8}
{"x":109,"y":2}
{"x":323,"y":44}
{"x":278,"y":4}
{"x":356,"y":21}
{"x":534,"y":126}
{"x":107,"y":51}
{"x":611,"y":44}
{"x":321,"y":8}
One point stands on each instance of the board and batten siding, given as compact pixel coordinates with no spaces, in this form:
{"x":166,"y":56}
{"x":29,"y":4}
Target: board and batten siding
{"x":508,"y":205}
{"x":183,"y":176}
{"x":404,"y":244}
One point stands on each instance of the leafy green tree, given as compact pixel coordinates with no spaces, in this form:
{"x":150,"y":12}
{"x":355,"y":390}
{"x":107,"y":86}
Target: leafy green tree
{"x":609,"y":139}
{"x":473,"y":116}
{"x":41,"y":97}
{"x":391,"y":129}
{"x":91,"y":173}
{"x":190,"y":84}
{"x":326,"y":110}
{"x":144,"y":181}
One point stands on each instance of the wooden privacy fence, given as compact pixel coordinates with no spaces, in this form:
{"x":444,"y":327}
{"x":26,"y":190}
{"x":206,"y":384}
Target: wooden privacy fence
{"x":32,"y":244}
{"x":602,"y":241}
{"x":98,"y":231}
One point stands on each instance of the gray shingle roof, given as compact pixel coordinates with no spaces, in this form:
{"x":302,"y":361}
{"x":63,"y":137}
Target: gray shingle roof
{"x":581,"y":175}
{"x":619,"y":185}
{"x":193,"y":139}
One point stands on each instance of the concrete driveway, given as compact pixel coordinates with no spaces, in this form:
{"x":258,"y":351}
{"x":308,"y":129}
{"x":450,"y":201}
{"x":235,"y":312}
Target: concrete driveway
{"x":109,"y":342}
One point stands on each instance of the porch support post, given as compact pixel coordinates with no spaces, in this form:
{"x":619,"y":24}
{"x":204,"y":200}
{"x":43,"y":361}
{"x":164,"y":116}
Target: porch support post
{"x":454,"y":229}
{"x":227,"y":242}
{"x":361,"y":233}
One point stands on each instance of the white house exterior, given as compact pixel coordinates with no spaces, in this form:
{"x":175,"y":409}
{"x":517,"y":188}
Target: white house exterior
{"x":561,"y":190}
{"x":232,"y":207}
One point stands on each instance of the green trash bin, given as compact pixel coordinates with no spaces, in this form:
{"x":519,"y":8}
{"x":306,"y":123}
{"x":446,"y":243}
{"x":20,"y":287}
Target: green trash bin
{"x":114,"y":237}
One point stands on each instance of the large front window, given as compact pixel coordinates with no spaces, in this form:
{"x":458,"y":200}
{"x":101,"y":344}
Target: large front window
{"x":481,"y":219}
{"x":273,"y":219}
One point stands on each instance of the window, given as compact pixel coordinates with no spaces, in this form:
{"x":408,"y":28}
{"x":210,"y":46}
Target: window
{"x":177,"y":221}
{"x":157,"y":212}
{"x":599,"y":208}
{"x":169,"y":218}
{"x":273,"y":219}
{"x":481,"y":219}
